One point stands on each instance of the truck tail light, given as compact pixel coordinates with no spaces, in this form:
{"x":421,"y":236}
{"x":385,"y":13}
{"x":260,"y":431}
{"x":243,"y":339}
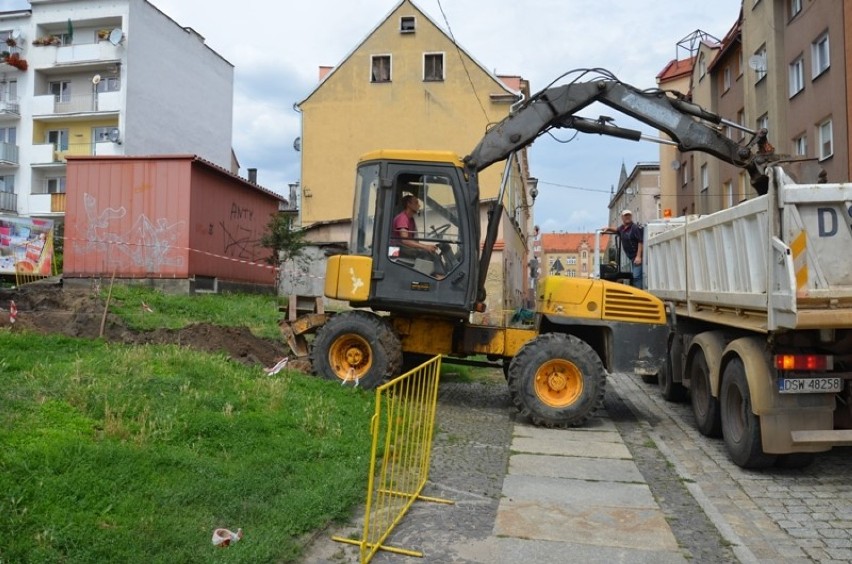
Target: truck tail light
{"x":804,"y":362}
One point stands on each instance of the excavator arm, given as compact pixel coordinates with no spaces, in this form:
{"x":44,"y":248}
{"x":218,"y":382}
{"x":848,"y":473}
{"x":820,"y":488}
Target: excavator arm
{"x":691,"y":128}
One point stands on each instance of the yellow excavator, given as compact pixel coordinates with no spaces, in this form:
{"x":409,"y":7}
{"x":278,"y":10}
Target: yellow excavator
{"x":411,"y":307}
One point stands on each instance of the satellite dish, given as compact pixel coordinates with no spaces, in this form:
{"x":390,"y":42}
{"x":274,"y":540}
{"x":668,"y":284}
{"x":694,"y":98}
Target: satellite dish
{"x":297,"y":144}
{"x":96,"y":79}
{"x":114,"y":135}
{"x":757,"y":62}
{"x":675,"y":164}
{"x":116,"y":36}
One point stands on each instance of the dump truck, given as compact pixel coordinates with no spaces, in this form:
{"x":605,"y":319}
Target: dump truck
{"x":760,"y":301}
{"x":407,"y":307}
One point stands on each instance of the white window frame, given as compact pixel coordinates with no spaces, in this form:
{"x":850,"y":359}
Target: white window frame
{"x":825,"y":136}
{"x":800,"y":145}
{"x":797,"y":76}
{"x":7,"y":183}
{"x":820,"y":55}
{"x":60,"y":138}
{"x":54,"y":185}
{"x":427,"y":77}
{"x":108,"y":84}
{"x":60,"y":89}
{"x":760,"y":73}
{"x":726,"y":79}
{"x":407,"y":24}
{"x":705,"y":178}
{"x":373,"y":60}
{"x":763,"y":122}
{"x":728,"y":194}
{"x":702,"y":66}
{"x":795,"y":8}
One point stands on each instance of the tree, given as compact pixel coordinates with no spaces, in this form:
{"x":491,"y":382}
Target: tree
{"x":286,"y":241}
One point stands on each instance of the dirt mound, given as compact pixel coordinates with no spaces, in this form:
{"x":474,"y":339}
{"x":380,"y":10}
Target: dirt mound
{"x":80,"y":313}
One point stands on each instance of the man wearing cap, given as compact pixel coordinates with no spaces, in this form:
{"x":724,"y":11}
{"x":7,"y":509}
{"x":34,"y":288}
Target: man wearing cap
{"x":631,"y":235}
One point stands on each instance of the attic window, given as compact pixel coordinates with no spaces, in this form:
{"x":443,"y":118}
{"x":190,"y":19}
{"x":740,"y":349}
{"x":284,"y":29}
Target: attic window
{"x":406,"y":24}
{"x":380,"y":70}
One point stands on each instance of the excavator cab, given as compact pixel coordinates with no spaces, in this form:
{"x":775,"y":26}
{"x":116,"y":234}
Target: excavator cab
{"x":402,"y":279}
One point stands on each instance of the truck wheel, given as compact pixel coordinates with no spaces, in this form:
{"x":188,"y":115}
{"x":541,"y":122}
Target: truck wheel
{"x":741,"y":427}
{"x":557,"y":380}
{"x":704,"y":406}
{"x":356,"y":345}
{"x":670,"y":390}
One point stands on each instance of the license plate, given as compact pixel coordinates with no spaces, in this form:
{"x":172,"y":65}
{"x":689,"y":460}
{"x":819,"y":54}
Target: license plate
{"x":809,"y":385}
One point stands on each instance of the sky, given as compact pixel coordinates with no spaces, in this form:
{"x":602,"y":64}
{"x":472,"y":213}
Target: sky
{"x":277,"y":46}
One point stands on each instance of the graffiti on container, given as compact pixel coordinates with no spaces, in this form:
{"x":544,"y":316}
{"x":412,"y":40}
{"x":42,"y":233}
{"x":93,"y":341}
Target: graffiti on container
{"x":148,"y":243}
{"x":239,"y":242}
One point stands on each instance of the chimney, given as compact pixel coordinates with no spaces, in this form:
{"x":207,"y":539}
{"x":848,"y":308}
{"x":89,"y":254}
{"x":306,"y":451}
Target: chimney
{"x":252,"y":175}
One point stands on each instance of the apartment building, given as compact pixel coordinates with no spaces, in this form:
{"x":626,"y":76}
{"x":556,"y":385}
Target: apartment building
{"x":97,"y":77}
{"x":784,"y":66}
{"x":571,"y":254}
{"x":639,"y":192}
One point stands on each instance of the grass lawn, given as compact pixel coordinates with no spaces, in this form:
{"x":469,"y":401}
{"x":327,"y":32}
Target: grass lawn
{"x":114,"y":453}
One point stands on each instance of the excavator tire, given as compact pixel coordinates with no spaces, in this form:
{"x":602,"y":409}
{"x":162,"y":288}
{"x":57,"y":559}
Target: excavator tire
{"x":356,"y":347}
{"x":557,"y":380}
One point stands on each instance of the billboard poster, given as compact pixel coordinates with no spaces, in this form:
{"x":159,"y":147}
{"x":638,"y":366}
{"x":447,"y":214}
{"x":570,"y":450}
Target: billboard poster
{"x":26,"y":245}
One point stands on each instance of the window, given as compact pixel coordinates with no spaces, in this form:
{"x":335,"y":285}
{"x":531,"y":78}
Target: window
{"x":9,"y":91}
{"x":100,"y":135}
{"x":820,"y":54}
{"x":55,"y":185}
{"x":741,"y":120}
{"x":759,"y":63}
{"x":800,"y":145}
{"x":744,"y":184}
{"x":797,"y":76}
{"x":433,"y":66}
{"x":9,"y":135}
{"x":381,"y":68}
{"x":740,"y":63}
{"x":407,"y":24}
{"x":705,"y":178}
{"x":702,"y":66}
{"x":684,"y":174}
{"x":763,"y":122}
{"x":728,"y":194}
{"x":795,"y":8}
{"x":7,"y":184}
{"x":826,"y":141}
{"x":58,"y":138}
{"x":61,"y":90}
{"x":109,"y":84}
{"x":64,"y":38}
{"x":726,"y":79}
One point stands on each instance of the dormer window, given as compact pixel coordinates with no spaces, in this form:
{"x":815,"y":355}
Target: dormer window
{"x":406,"y":24}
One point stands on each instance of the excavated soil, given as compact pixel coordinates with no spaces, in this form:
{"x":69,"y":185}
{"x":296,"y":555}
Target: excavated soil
{"x":50,"y":309}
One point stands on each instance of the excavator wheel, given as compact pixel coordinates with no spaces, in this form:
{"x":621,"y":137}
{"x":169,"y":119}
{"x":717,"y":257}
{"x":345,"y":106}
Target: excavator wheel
{"x":356,"y":347}
{"x":557,"y":381}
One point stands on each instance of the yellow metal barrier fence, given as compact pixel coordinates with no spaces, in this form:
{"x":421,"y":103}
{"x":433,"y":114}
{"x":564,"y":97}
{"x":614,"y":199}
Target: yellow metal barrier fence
{"x":404,"y":424}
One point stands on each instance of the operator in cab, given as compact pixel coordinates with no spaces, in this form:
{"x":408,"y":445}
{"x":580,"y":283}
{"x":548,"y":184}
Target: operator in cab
{"x":404,"y":230}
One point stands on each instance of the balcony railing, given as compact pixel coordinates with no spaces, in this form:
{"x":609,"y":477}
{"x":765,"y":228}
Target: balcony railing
{"x":47,"y":153}
{"x":8,"y":154}
{"x":47,"y":56}
{"x":82,"y":103}
{"x":10,"y":107}
{"x":8,"y":201}
{"x":57,"y":203}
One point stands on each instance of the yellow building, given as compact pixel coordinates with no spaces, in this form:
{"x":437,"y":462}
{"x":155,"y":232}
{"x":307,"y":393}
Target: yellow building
{"x":570,"y":254}
{"x":407,"y":85}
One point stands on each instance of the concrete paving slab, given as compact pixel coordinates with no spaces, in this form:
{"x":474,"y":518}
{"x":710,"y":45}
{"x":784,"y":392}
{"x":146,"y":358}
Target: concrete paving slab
{"x":561,"y":446}
{"x":598,"y":435}
{"x":583,"y":493}
{"x":496,"y":549}
{"x":576,"y":467}
{"x":599,"y":525}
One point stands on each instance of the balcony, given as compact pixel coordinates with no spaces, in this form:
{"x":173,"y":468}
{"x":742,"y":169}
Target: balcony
{"x":77,"y":55}
{"x":43,"y":204}
{"x":86,"y":105}
{"x":9,"y":202}
{"x":46,"y":155}
{"x":10,"y":110}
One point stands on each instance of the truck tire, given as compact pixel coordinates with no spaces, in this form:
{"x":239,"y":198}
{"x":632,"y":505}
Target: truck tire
{"x":741,"y":427}
{"x":705,"y":407}
{"x":670,"y":390}
{"x":356,"y":346}
{"x":557,"y":380}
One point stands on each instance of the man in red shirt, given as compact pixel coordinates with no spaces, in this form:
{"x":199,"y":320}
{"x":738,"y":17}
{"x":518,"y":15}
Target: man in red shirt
{"x":404,"y":230}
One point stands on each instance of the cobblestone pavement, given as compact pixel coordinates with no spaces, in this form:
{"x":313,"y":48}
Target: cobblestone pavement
{"x":775,"y":515}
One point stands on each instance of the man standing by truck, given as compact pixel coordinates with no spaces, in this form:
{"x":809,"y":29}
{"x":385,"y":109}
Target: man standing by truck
{"x":632,"y":235}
